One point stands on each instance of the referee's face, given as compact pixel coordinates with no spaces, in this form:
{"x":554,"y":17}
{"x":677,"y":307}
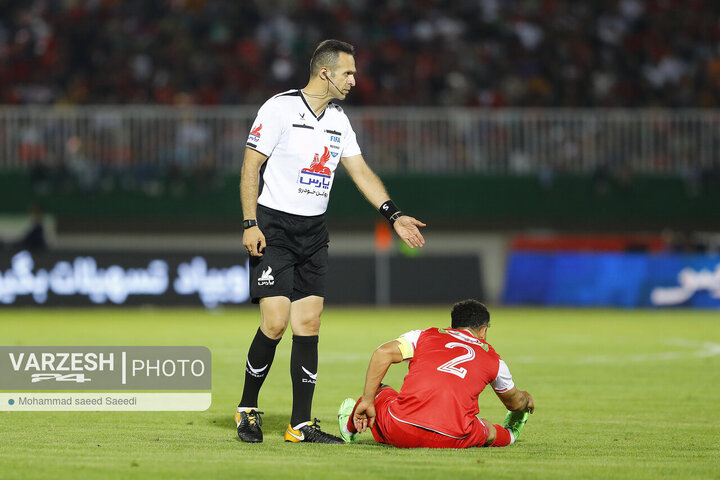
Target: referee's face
{"x":343,"y":75}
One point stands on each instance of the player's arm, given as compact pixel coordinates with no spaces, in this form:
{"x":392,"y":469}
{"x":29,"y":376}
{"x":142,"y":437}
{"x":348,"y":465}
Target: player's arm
{"x":253,"y":238}
{"x":516,"y":400}
{"x":374,"y":191}
{"x":384,"y":356}
{"x":504,"y":386}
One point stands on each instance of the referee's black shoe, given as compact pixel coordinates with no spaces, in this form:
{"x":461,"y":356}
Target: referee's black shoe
{"x":248,"y":425}
{"x":310,"y":432}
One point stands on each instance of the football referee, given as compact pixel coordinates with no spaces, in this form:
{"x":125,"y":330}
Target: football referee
{"x":294,"y":147}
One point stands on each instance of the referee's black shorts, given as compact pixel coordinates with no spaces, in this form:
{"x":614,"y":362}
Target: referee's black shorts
{"x":295,"y":262}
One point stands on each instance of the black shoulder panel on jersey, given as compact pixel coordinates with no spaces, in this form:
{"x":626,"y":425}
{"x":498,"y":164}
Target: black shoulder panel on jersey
{"x":294,"y":93}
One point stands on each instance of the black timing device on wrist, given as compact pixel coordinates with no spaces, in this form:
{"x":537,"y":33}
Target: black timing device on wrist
{"x":249,"y":223}
{"x":390,"y":211}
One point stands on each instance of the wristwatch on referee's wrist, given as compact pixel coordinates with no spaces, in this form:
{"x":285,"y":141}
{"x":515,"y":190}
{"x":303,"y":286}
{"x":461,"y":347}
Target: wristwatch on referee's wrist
{"x":249,"y":223}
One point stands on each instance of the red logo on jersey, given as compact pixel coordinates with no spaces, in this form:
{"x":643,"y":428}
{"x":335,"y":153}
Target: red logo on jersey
{"x":318,"y":164}
{"x":317,"y":176}
{"x":256,"y":131}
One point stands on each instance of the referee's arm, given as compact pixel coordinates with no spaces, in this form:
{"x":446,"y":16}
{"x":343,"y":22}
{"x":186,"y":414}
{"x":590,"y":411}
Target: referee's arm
{"x":373,"y":189}
{"x":253,"y":238}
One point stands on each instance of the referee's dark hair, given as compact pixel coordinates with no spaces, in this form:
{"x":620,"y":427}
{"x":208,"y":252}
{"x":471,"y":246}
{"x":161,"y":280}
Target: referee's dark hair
{"x":327,"y":54}
{"x":470,"y":314}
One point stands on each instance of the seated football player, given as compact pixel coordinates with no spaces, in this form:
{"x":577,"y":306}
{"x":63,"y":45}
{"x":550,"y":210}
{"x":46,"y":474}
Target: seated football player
{"x":438,"y":402}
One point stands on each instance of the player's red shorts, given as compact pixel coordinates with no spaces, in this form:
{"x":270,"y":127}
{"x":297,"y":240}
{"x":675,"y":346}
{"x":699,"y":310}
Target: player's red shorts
{"x":389,"y":430}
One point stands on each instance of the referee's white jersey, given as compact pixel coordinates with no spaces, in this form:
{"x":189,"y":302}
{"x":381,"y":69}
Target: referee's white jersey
{"x":303,"y":151}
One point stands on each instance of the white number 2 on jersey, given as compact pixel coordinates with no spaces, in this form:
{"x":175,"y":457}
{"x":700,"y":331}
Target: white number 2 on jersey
{"x":452,"y":365}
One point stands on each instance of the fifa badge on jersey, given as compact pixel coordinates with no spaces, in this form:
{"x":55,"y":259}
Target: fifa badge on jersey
{"x":317,"y":176}
{"x":255,"y":134}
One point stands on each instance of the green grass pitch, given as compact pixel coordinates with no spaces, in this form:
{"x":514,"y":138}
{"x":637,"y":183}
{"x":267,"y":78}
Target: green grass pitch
{"x":618,"y":394}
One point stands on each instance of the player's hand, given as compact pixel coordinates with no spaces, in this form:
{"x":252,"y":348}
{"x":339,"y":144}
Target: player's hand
{"x":407,"y":229}
{"x":364,"y":416}
{"x":530,"y":403}
{"x":254,"y":241}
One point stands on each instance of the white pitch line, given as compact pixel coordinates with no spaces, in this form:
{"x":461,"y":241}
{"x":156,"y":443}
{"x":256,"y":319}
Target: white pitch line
{"x":700,"y":350}
{"x":709,"y":349}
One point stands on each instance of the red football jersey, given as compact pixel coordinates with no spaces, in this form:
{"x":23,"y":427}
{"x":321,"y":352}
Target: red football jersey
{"x":448,"y":370}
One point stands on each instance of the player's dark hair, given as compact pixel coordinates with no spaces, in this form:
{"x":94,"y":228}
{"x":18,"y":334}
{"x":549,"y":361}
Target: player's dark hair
{"x":469,"y":314}
{"x":327,"y":54}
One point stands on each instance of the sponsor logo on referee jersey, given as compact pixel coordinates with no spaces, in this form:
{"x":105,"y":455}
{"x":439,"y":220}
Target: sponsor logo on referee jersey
{"x":255,"y":134}
{"x":265,"y":278}
{"x":317,"y":175}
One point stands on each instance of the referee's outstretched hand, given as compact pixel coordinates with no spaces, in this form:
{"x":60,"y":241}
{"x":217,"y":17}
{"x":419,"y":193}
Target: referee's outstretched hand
{"x":254,"y":241}
{"x":407,"y":229}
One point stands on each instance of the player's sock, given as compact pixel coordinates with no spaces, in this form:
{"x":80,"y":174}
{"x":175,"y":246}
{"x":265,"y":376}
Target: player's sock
{"x":504,"y":437}
{"x":259,"y":359}
{"x":303,"y":371}
{"x":349,"y":429}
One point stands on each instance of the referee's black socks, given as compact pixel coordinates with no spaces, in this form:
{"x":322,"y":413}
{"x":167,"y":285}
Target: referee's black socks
{"x":303,"y":371}
{"x":259,"y":359}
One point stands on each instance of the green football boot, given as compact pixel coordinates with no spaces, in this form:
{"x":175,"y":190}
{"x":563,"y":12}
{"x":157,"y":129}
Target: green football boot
{"x":515,"y":421}
{"x":344,"y":412}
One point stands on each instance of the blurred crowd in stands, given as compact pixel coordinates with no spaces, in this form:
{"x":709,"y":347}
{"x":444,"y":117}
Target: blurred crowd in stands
{"x":560,"y":53}
{"x":475,"y":53}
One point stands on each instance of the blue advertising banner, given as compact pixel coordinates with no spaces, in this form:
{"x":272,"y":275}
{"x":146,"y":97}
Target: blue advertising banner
{"x":613,"y":279}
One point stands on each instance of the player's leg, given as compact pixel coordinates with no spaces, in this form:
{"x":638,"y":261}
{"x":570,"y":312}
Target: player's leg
{"x":307,"y":306}
{"x":384,"y":396}
{"x":271,"y":279}
{"x":274,"y":319}
{"x":305,"y":315}
{"x":499,"y":436}
{"x":492,"y":432}
{"x":502,"y":436}
{"x":305,"y":321}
